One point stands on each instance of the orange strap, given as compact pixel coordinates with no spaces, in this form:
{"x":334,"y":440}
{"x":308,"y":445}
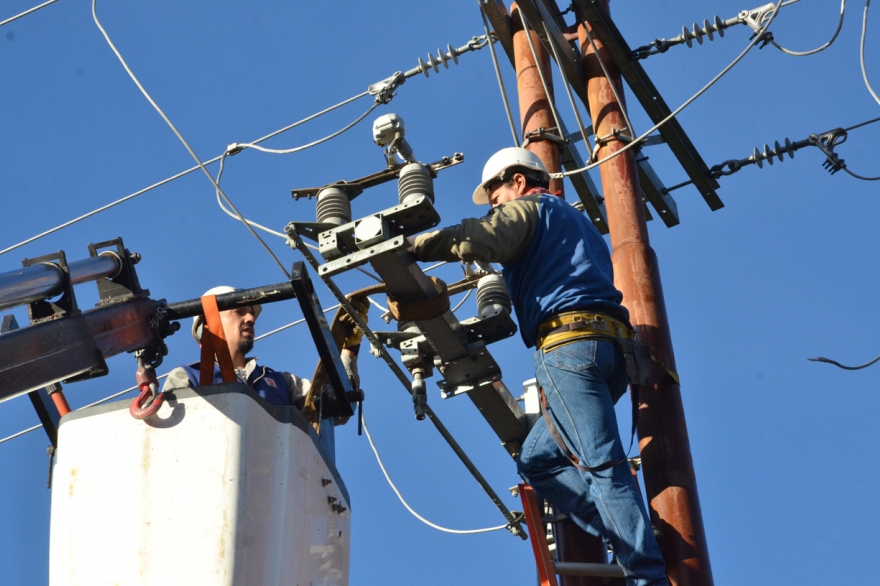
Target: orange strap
{"x":214,"y":343}
{"x":538,"y":536}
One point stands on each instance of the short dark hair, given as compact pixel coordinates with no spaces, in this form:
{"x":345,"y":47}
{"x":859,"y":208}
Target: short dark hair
{"x":533,"y":178}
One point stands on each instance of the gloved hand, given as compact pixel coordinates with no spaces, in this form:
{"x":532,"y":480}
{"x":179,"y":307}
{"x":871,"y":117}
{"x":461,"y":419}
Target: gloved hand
{"x":353,"y":334}
{"x":350,"y":363}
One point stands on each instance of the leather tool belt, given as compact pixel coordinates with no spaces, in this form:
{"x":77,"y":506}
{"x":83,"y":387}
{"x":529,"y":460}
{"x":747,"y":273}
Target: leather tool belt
{"x":572,"y":326}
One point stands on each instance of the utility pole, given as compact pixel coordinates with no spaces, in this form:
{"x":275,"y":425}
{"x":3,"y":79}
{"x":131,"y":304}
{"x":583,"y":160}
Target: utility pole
{"x":663,"y":440}
{"x":534,"y":103}
{"x":573,"y":544}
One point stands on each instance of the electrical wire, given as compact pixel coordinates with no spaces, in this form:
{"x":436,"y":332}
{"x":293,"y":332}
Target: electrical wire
{"x":823,"y":47}
{"x":571,"y":101}
{"x":180,"y":137}
{"x":26,"y":12}
{"x":460,"y":303}
{"x":860,"y":124}
{"x":755,"y":40}
{"x":540,"y":70}
{"x":264,"y":228}
{"x":405,"y":504}
{"x":181,"y":174}
{"x":498,"y":75}
{"x":611,"y":84}
{"x":314,"y":143}
{"x":839,"y":365}
{"x":862,"y":51}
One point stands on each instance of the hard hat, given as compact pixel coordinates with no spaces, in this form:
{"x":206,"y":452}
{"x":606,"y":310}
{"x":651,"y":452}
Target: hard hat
{"x":199,"y":320}
{"x":503,"y":160}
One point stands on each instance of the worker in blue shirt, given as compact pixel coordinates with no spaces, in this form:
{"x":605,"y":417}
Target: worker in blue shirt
{"x":558,"y":270}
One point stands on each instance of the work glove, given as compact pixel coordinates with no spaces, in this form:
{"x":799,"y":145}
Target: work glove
{"x":353,"y":334}
{"x":350,"y":363}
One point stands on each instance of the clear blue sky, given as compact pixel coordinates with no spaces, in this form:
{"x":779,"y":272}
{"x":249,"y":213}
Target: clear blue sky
{"x":782,"y":447}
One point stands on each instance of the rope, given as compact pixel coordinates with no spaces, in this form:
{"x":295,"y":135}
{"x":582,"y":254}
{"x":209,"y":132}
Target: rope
{"x":405,"y":504}
{"x":839,"y":365}
{"x":823,"y":47}
{"x":757,"y":38}
{"x":498,"y":76}
{"x":180,"y":137}
{"x":26,"y":12}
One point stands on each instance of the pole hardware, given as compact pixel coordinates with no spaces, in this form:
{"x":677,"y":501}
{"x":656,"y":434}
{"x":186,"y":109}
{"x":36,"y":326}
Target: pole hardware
{"x":355,"y":187}
{"x":754,"y":19}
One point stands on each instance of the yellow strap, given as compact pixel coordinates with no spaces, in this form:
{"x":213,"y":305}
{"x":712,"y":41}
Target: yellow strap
{"x":595,"y":325}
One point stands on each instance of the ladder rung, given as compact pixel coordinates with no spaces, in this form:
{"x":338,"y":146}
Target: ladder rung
{"x":585,"y":569}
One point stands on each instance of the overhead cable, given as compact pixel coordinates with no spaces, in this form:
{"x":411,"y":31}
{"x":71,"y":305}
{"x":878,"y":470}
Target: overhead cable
{"x":405,"y":504}
{"x":182,"y":140}
{"x":264,"y":228}
{"x":862,"y":51}
{"x":757,"y":38}
{"x":611,"y":84}
{"x":540,"y":70}
{"x":567,"y":86}
{"x":26,"y":12}
{"x":498,"y":77}
{"x":823,"y":47}
{"x":382,"y":90}
{"x":839,"y":365}
{"x":404,"y":380}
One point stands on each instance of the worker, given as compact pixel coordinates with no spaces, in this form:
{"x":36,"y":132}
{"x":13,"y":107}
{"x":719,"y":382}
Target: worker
{"x":277,"y":388}
{"x":558,"y":270}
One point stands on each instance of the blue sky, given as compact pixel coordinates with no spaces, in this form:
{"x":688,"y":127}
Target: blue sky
{"x":785,"y":271}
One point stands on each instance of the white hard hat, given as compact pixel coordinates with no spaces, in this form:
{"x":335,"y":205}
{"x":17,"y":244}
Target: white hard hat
{"x":199,"y":320}
{"x":503,"y":160}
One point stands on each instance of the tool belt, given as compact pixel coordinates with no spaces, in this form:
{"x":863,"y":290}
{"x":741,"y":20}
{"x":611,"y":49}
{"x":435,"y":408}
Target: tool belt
{"x":572,"y":326}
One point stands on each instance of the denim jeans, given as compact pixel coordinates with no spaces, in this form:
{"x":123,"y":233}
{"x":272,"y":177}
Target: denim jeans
{"x":582,"y":381}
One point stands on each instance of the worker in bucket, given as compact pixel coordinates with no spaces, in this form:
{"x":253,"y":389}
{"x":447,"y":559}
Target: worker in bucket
{"x":277,"y":388}
{"x":559,"y":273}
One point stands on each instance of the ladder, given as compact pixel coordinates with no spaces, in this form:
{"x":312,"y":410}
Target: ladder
{"x":547,"y":567}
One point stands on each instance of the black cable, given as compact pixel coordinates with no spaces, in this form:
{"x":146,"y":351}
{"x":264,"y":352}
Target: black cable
{"x":839,"y":365}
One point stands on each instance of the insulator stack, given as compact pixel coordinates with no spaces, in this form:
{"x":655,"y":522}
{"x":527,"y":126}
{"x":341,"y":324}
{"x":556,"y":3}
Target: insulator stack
{"x":708,"y":30}
{"x":492,"y":296}
{"x":333,"y":207}
{"x":415,"y":181}
{"x":767,"y":155}
{"x":441,"y":59}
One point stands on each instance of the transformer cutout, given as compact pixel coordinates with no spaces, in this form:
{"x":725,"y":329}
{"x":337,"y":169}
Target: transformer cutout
{"x":429,"y":337}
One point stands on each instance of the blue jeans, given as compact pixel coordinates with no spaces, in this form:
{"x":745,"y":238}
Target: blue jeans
{"x":582,"y":381}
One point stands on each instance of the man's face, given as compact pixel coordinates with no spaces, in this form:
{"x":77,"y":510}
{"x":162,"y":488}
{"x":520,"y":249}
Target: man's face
{"x":238,"y":325}
{"x":504,"y":192}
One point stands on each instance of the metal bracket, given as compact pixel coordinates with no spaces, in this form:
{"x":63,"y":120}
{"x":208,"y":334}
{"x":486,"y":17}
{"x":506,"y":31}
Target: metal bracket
{"x":826,"y":143}
{"x":405,"y":219}
{"x":489,"y":330}
{"x":357,"y":186}
{"x":335,"y":404}
{"x":65,"y":306}
{"x":124,"y":285}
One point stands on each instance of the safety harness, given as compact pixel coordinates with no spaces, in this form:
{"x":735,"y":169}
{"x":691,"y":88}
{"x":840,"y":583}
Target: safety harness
{"x":573,"y":326}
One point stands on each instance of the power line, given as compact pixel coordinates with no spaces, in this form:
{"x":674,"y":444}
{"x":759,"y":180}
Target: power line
{"x":862,"y":51}
{"x":180,"y":137}
{"x":755,"y":40}
{"x":405,"y":504}
{"x":26,"y":12}
{"x":823,"y":47}
{"x":498,"y":76}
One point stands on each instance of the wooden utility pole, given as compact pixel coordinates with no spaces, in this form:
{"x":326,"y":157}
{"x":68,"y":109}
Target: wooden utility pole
{"x":572,"y":543}
{"x":663,"y":440}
